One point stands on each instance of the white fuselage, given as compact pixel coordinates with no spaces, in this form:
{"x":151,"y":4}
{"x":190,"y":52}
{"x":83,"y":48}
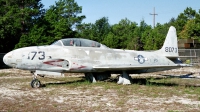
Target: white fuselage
{"x":80,"y":59}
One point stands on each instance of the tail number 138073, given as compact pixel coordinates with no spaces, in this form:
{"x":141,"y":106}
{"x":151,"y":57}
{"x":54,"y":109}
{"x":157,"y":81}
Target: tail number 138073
{"x":171,"y":49}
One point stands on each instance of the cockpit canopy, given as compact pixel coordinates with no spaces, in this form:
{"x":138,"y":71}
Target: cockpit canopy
{"x":78,"y":42}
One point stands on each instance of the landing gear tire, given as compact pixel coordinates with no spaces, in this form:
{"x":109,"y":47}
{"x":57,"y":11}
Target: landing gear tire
{"x":35,"y":83}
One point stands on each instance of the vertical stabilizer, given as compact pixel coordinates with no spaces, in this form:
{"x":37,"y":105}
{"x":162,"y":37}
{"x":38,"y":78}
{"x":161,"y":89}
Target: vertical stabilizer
{"x":170,"y":46}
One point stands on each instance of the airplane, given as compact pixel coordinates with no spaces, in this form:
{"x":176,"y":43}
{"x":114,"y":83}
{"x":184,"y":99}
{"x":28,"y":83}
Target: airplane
{"x":95,"y":60}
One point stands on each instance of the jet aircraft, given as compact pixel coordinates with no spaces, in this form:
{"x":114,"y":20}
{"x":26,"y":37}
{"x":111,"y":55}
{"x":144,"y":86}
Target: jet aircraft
{"x":98,"y":62}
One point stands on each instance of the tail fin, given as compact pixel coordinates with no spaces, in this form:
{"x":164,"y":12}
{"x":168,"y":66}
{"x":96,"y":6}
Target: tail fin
{"x":170,"y":46}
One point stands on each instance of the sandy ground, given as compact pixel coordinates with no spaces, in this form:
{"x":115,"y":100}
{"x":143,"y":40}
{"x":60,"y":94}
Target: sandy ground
{"x":17,"y":95}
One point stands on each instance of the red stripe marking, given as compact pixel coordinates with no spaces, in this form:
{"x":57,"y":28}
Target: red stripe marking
{"x":53,"y":61}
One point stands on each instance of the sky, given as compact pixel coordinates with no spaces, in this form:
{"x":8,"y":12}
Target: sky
{"x":134,"y":10}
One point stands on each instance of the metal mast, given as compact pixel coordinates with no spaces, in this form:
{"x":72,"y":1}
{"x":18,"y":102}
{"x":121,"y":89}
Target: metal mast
{"x":154,"y":16}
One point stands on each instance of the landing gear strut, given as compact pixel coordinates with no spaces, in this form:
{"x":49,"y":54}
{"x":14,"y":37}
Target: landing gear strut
{"x":35,"y":83}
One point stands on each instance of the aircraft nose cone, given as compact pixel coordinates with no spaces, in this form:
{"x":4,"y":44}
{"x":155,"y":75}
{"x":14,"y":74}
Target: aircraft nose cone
{"x":7,"y":58}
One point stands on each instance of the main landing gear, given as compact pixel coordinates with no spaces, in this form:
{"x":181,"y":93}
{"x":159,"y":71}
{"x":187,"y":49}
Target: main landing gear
{"x":124,"y":78}
{"x":35,"y":83}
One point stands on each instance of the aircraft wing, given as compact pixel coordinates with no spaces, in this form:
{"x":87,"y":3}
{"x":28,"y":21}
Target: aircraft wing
{"x":131,"y":67}
{"x":171,"y":57}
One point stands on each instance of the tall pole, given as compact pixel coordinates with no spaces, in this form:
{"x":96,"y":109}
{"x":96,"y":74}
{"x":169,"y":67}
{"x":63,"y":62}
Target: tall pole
{"x":154,"y":16}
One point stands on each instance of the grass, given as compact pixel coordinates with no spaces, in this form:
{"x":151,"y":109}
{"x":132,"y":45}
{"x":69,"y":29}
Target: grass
{"x":173,"y":111}
{"x":4,"y":74}
{"x":78,"y":94}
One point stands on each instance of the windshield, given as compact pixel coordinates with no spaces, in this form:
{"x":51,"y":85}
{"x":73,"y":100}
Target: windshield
{"x":57,"y":43}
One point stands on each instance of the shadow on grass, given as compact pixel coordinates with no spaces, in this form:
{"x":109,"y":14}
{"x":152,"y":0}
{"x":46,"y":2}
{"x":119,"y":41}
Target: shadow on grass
{"x":141,"y":81}
{"x":80,"y":81}
{"x":186,"y":76}
{"x":159,"y":81}
{"x":148,"y":81}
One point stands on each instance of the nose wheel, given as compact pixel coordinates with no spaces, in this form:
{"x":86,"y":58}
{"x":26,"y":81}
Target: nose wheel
{"x":35,"y":83}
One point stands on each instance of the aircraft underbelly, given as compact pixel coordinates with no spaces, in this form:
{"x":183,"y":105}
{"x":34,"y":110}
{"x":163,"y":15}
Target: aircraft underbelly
{"x":149,"y":70}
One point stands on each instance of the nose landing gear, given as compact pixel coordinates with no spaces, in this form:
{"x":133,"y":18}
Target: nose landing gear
{"x":35,"y":83}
